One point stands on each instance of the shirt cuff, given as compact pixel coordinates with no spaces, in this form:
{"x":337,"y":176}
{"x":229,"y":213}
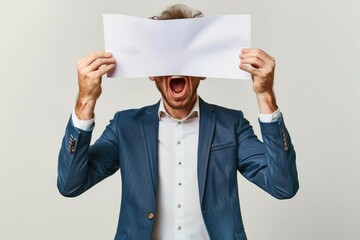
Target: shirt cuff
{"x":85,"y":125}
{"x":269,"y":118}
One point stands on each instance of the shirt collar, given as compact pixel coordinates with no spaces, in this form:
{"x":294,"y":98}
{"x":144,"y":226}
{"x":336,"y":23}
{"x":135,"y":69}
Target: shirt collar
{"x":194,"y":113}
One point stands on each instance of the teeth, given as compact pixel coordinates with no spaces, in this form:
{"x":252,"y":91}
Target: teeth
{"x":172,"y":77}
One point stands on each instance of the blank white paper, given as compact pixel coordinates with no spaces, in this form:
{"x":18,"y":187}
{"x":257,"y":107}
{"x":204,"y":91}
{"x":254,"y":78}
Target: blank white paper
{"x":208,"y":46}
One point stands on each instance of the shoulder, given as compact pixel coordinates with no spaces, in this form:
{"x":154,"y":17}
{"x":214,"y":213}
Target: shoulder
{"x":221,"y":111}
{"x":136,"y":113}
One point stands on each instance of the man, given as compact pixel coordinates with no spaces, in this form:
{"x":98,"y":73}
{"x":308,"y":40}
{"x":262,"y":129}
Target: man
{"x":179,"y":157}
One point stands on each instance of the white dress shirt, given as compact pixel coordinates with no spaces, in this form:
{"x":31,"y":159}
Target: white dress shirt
{"x":178,"y":215}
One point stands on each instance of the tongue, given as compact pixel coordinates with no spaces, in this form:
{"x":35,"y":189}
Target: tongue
{"x":177,"y":84}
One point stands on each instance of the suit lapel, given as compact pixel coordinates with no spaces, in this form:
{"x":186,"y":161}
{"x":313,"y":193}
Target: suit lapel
{"x":206,"y":132}
{"x":150,"y":127}
{"x":150,"y":130}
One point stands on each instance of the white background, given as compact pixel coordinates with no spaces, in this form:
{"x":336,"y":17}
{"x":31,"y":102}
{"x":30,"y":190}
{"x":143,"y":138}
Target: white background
{"x":317,"y":49}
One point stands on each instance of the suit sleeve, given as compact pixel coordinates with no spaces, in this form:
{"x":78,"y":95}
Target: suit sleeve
{"x":269,"y":164}
{"x":81,"y":166}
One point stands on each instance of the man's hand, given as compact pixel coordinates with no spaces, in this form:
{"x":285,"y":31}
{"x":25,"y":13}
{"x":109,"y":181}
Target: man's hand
{"x":90,"y":71}
{"x":261,"y":66}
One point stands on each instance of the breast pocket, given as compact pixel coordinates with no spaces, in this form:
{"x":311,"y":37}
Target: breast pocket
{"x":221,"y":146}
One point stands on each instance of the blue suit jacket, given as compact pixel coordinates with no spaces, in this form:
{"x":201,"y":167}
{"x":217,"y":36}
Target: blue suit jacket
{"x":227,"y":144}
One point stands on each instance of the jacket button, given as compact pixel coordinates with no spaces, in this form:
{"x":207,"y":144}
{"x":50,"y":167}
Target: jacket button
{"x":150,"y":215}
{"x":286,"y":146}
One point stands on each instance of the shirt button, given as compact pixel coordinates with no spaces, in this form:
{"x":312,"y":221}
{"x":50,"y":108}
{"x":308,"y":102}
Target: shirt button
{"x":150,"y":215}
{"x":179,"y":206}
{"x":179,"y":123}
{"x":179,"y":228}
{"x":178,"y":142}
{"x":179,"y":163}
{"x":180,"y":183}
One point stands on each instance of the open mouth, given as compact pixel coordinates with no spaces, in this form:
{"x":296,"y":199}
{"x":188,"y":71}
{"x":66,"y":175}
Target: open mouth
{"x":177,"y":85}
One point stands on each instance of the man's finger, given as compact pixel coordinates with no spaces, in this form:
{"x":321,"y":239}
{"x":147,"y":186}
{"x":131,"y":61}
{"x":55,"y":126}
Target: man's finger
{"x":249,"y":52}
{"x":249,"y":69}
{"x":91,"y":57}
{"x":255,"y":61}
{"x":105,"y":69}
{"x":95,"y":65}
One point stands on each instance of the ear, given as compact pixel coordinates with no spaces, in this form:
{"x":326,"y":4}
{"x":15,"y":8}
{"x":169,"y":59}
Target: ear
{"x":152,"y":78}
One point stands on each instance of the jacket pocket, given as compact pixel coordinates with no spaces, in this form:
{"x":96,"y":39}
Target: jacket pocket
{"x":221,"y":146}
{"x":120,"y":236}
{"x":240,"y":235}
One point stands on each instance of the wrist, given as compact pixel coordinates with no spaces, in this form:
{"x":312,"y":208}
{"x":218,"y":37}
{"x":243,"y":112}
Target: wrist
{"x":84,"y":108}
{"x":266,"y":102}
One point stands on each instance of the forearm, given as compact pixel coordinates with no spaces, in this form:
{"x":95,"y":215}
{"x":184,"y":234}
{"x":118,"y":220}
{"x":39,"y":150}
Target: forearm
{"x":73,"y":161}
{"x":81,"y":166}
{"x":281,"y":173}
{"x":271,"y":164}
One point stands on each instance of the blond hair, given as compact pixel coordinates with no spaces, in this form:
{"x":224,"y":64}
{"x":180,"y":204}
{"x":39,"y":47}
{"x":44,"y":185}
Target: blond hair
{"x":178,"y":11}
